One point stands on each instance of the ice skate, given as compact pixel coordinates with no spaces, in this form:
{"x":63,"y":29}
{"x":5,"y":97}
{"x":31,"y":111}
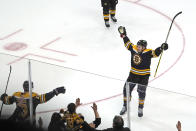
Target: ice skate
{"x":113,"y":18}
{"x":140,"y":112}
{"x":123,"y":111}
{"x":107,"y":24}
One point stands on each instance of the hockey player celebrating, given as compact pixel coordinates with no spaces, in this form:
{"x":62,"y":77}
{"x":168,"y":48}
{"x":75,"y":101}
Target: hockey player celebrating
{"x":71,"y":118}
{"x":22,"y":111}
{"x":140,"y":68}
{"x":109,"y":7}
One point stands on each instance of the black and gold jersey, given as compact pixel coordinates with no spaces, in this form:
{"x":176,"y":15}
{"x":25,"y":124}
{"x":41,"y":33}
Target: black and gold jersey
{"x":22,"y":111}
{"x":70,"y":120}
{"x":140,"y":62}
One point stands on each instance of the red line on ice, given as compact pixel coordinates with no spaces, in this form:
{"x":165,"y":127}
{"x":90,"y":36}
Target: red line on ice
{"x":183,"y":36}
{"x":44,"y":48}
{"x":22,"y":57}
{"x":30,"y":54}
{"x":12,"y":34}
{"x":51,"y":42}
{"x":97,"y":101}
{"x":137,"y":1}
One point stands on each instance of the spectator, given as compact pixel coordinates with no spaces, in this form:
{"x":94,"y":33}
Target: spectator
{"x":97,"y":120}
{"x":118,"y":125}
{"x":22,"y":100}
{"x":70,"y":117}
{"x":9,"y":125}
{"x":73,"y":120}
{"x":56,"y":123}
{"x":178,"y":126}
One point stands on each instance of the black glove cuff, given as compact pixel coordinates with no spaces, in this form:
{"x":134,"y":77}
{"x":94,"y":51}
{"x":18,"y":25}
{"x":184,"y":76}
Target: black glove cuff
{"x":55,"y":92}
{"x":3,"y":96}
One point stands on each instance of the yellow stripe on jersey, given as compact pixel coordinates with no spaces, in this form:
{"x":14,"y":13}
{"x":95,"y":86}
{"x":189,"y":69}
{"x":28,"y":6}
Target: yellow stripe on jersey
{"x":125,"y":98}
{"x":135,"y":48}
{"x":25,"y":95}
{"x":141,"y":101}
{"x":140,"y":73}
{"x":105,"y":14}
{"x":41,"y":98}
{"x":112,"y":12}
{"x":128,"y":44}
{"x":17,"y":94}
{"x":147,"y":50}
{"x":140,"y":69}
{"x":44,"y":97}
{"x":106,"y":18}
{"x":153,"y":54}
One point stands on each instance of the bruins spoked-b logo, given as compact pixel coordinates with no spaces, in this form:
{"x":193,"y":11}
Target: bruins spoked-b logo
{"x":137,"y":59}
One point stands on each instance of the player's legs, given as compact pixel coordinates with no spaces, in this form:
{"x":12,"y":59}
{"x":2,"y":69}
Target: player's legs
{"x":106,"y":7}
{"x":132,"y":79}
{"x":131,"y":87}
{"x":113,"y":9}
{"x":142,"y":93}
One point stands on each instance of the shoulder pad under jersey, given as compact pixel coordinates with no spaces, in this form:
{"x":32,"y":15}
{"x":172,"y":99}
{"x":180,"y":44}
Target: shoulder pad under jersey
{"x":135,"y":48}
{"x":17,"y":94}
{"x":34,"y":94}
{"x":147,"y":50}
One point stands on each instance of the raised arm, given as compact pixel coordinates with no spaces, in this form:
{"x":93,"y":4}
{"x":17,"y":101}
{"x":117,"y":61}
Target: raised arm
{"x":178,"y":126}
{"x":78,"y":103}
{"x":157,"y":51}
{"x":123,"y":34}
{"x":97,"y":120}
{"x":94,"y":107}
{"x":46,"y":97}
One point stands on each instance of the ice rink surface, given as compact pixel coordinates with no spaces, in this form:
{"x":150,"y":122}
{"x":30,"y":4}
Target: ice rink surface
{"x":70,"y":46}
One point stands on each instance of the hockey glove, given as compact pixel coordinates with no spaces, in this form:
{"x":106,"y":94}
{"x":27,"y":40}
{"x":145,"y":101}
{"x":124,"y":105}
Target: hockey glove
{"x":59,"y":90}
{"x":105,"y":3}
{"x":122,"y":31}
{"x":164,"y":46}
{"x":3,"y":96}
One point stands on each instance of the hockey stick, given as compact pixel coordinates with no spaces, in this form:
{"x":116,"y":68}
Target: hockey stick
{"x":6,"y":88}
{"x":166,"y":41}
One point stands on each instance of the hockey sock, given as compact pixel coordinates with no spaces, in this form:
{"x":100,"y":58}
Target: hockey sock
{"x":141,"y":103}
{"x":125,"y":101}
{"x":112,"y":12}
{"x":106,"y":17}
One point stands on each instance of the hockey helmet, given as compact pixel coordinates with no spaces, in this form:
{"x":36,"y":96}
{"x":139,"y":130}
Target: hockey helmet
{"x":26,"y":85}
{"x":142,"y":43}
{"x":71,"y":108}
